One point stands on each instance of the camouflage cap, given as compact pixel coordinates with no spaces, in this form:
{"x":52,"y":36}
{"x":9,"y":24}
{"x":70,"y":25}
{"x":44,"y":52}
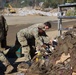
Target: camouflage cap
{"x":41,"y":25}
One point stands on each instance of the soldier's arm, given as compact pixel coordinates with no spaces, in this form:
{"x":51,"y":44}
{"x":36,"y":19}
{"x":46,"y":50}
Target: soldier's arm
{"x":37,"y":39}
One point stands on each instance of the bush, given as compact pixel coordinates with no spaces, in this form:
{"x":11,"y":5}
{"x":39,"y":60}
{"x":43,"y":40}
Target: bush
{"x":54,"y":5}
{"x":70,"y":13}
{"x":46,"y":4}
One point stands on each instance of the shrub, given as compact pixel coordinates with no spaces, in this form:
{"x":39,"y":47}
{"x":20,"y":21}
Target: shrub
{"x":46,"y":4}
{"x":70,"y":13}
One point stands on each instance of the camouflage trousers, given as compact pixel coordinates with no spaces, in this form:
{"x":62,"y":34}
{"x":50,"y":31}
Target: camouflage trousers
{"x":26,"y":52}
{"x":3,"y":59}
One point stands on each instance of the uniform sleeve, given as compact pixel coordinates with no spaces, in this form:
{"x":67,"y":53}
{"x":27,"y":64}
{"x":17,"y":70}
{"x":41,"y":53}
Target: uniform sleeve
{"x":37,"y":38}
{"x":46,"y":39}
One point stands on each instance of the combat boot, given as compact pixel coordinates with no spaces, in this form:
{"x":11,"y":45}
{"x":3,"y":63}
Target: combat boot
{"x":9,"y":69}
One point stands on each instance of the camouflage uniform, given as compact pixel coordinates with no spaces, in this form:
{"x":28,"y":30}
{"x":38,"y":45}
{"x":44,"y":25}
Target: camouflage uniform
{"x":45,"y":39}
{"x":6,"y":63}
{"x":27,"y":33}
{"x":3,"y":59}
{"x":3,"y":34}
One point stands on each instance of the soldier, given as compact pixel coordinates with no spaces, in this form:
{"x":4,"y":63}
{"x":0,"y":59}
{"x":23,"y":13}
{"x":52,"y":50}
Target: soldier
{"x":6,"y":63}
{"x":4,"y":29}
{"x":28,"y":36}
{"x":3,"y":34}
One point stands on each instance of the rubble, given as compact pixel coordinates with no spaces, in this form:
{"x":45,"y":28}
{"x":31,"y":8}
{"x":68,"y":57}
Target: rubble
{"x":22,"y":67}
{"x":29,"y":11}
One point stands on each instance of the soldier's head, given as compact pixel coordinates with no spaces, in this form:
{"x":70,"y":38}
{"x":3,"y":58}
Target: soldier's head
{"x":41,"y":30}
{"x":47,"y":25}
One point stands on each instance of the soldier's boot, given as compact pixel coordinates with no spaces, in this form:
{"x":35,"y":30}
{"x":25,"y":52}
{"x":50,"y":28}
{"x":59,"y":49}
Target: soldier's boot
{"x":9,"y":69}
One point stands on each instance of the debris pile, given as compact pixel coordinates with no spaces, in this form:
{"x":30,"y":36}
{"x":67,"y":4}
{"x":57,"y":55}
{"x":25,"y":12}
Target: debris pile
{"x":35,"y":12}
{"x":28,"y":11}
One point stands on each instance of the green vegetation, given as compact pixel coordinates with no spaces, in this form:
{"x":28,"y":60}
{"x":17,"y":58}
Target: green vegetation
{"x":71,"y":12}
{"x":47,"y":3}
{"x":70,"y":1}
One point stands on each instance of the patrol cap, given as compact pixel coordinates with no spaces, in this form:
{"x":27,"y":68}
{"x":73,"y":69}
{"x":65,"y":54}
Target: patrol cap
{"x":42,"y":25}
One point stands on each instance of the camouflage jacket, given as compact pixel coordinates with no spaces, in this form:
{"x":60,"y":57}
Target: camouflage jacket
{"x":29,"y":32}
